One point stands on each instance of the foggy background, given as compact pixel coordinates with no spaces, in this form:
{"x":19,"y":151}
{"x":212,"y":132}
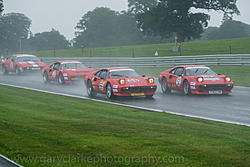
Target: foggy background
{"x":63,"y":15}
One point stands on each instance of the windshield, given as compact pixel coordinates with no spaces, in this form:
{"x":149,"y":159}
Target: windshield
{"x":27,"y":58}
{"x":72,"y":65}
{"x":123,"y":74}
{"x":199,"y":71}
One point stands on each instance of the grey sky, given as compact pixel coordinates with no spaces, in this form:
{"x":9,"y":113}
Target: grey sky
{"x":63,"y":15}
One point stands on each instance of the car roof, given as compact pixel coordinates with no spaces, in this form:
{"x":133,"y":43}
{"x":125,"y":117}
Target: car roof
{"x":185,"y":66}
{"x":70,"y":61}
{"x":24,"y":55}
{"x":117,"y":68}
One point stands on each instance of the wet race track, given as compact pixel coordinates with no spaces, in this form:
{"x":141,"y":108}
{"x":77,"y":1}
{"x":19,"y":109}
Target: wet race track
{"x":233,"y":108}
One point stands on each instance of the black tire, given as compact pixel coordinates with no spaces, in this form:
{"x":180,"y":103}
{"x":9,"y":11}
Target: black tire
{"x":17,"y":70}
{"x":109,"y":92}
{"x":149,"y":96}
{"x":90,"y":90}
{"x":60,"y":79}
{"x":4,"y":70}
{"x":186,"y":88}
{"x":45,"y":77}
{"x":164,"y":86}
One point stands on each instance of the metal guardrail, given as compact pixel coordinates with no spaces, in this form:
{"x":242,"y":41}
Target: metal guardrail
{"x":238,"y":59}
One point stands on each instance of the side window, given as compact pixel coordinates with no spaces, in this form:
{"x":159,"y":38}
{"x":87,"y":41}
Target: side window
{"x":98,"y":74}
{"x":56,"y":66}
{"x":52,"y":66}
{"x":103,"y":74}
{"x":12,"y":58}
{"x":172,"y":71}
{"x":179,"y":71}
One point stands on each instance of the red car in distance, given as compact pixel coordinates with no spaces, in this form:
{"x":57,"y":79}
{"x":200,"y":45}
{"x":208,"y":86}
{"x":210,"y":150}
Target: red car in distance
{"x":21,"y":63}
{"x":65,"y":71}
{"x":195,"y":79}
{"x":119,"y":81}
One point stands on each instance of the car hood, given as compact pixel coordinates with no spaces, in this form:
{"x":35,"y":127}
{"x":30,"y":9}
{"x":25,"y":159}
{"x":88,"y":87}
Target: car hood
{"x":79,"y":70}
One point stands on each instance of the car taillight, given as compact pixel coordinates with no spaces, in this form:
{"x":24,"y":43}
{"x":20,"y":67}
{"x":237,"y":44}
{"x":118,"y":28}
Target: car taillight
{"x":151,"y":80}
{"x":200,"y":79}
{"x":228,"y":79}
{"x":122,"y":81}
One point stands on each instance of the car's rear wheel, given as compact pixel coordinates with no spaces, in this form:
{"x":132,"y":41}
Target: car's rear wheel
{"x":61,"y":79}
{"x":90,"y":90}
{"x":109,"y":92}
{"x":186,"y":88}
{"x":164,"y":86}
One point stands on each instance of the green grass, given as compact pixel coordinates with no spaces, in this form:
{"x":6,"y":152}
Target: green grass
{"x":188,"y":48}
{"x":240,"y":74}
{"x":39,"y":129}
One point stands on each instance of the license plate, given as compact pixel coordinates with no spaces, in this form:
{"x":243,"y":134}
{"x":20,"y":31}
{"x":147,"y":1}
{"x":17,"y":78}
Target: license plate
{"x":215,"y":92}
{"x":35,"y":68}
{"x":74,"y":79}
{"x":137,"y":94}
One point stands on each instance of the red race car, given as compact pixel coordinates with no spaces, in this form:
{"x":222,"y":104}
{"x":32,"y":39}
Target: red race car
{"x":65,"y":72}
{"x":21,"y":63}
{"x":119,"y":81}
{"x":195,"y":79}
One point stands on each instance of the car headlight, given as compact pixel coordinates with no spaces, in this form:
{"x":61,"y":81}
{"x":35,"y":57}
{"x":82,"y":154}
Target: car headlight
{"x":228,"y":79}
{"x":65,"y":74}
{"x":122,"y":81}
{"x":200,"y":79}
{"x":151,"y":80}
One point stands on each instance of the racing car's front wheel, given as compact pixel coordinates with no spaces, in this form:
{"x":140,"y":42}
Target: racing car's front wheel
{"x":60,"y":79}
{"x":109,"y":92}
{"x":164,"y":86}
{"x":17,"y":70}
{"x":90,"y":90}
{"x":45,"y":77}
{"x":186,"y":88}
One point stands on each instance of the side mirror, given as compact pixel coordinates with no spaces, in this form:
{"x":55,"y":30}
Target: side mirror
{"x":95,"y":79}
{"x":143,"y":75}
{"x":171,"y":76}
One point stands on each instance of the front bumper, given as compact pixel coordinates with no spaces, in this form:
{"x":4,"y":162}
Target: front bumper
{"x":212,"y":88}
{"x":135,"y":91}
{"x":70,"y":79}
{"x":30,"y":69}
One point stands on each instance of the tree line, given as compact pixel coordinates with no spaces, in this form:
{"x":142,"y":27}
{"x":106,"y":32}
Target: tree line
{"x":145,"y":22}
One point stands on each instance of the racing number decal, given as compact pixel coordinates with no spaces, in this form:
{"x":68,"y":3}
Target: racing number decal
{"x":54,"y":74}
{"x":101,"y":85}
{"x":178,"y":81}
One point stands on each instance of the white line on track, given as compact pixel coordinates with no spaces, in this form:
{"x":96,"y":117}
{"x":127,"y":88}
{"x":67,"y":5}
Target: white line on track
{"x":126,"y":105}
{"x":10,"y":161}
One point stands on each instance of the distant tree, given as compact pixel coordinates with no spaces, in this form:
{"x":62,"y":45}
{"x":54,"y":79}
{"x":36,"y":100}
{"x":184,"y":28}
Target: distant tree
{"x":1,"y":6}
{"x":168,"y":17}
{"x":13,"y":28}
{"x":105,"y":27}
{"x":230,"y":29}
{"x":48,"y":41}
{"x":141,"y":6}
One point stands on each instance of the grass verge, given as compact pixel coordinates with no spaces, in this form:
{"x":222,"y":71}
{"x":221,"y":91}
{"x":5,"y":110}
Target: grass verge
{"x":240,"y":74}
{"x":39,"y":129}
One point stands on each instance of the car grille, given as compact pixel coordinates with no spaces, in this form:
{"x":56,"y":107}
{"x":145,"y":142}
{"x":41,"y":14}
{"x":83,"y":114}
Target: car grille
{"x":215,"y":87}
{"x":140,"y":89}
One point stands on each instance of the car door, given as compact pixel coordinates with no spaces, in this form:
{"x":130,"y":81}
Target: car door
{"x":176,"y":78}
{"x":55,"y":71}
{"x":8,"y":63}
{"x":96,"y":80}
{"x":103,"y":80}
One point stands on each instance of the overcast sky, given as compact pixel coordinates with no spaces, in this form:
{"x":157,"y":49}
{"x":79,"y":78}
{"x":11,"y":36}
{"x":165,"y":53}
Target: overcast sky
{"x":63,"y":15}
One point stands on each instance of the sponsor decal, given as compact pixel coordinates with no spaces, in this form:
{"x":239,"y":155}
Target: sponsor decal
{"x":115,"y":86}
{"x":11,"y":65}
{"x":192,"y":83}
{"x":193,"y":87}
{"x":115,"y":90}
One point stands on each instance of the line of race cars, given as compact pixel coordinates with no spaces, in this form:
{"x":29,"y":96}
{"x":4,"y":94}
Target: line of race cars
{"x":123,"y":81}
